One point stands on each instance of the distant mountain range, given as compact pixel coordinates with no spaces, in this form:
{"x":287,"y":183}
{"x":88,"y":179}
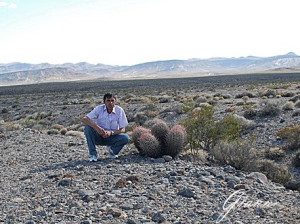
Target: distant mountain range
{"x":23,"y":73}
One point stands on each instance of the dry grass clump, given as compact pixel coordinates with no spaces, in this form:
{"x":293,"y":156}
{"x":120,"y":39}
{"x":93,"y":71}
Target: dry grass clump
{"x":239,"y":154}
{"x":275,"y":172}
{"x":296,"y":161}
{"x":295,"y":98}
{"x":291,"y":135}
{"x":297,"y":104}
{"x":243,"y":94}
{"x":269,"y":93}
{"x":275,"y":153}
{"x":288,"y":106}
{"x":10,"y":126}
{"x":287,"y":94}
{"x":57,"y":126}
{"x":269,"y":109}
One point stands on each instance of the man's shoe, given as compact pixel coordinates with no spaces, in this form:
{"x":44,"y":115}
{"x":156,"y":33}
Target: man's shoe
{"x":93,"y":158}
{"x":111,"y":154}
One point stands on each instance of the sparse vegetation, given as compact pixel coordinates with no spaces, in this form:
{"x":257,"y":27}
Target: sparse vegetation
{"x":291,"y":135}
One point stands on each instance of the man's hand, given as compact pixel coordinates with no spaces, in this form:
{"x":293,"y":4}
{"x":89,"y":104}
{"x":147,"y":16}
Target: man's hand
{"x":106,"y":134}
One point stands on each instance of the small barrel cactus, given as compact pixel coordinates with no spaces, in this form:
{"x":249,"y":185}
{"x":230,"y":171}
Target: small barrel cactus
{"x":160,"y":130}
{"x":159,"y":139}
{"x":176,"y":140}
{"x":149,"y":145}
{"x":136,"y":135}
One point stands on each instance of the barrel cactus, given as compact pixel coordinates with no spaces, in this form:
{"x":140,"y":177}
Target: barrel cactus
{"x":149,"y":145}
{"x":176,"y":140}
{"x":136,"y":135}
{"x":159,"y":139}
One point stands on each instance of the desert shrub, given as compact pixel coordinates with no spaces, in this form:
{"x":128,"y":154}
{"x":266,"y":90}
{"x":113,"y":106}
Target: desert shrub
{"x":297,"y":104}
{"x":57,"y":126}
{"x":250,"y":113}
{"x":204,"y":131}
{"x":201,"y":129}
{"x":275,"y":172}
{"x":239,"y":154}
{"x":63,"y":131}
{"x":75,"y":134}
{"x":159,"y":139}
{"x":241,"y":95}
{"x":269,"y":93}
{"x":188,"y":106}
{"x":274,"y":153}
{"x":229,"y":127}
{"x":269,"y":110}
{"x":28,"y":122}
{"x":52,"y":132}
{"x":288,"y":106}
{"x":296,"y":161}
{"x":291,"y":135}
{"x":296,"y":113}
{"x":12,"y":126}
{"x":295,"y":98}
{"x":287,"y":94}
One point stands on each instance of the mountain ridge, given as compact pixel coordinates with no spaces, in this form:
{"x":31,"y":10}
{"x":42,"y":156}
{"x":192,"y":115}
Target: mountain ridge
{"x":26,"y":73}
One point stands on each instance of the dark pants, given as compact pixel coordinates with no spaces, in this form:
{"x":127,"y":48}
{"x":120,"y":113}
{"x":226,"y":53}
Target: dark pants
{"x":116,"y":142}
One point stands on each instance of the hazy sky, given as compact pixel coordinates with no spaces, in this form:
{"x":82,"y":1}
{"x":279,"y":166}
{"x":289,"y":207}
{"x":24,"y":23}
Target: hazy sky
{"x":125,"y":32}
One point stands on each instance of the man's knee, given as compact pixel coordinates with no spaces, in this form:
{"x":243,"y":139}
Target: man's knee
{"x":125,"y":138}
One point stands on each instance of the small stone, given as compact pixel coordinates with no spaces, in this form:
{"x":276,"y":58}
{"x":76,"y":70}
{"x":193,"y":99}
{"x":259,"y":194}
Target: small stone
{"x":158,"y":217}
{"x":65,"y":183}
{"x":159,"y":160}
{"x":30,"y":222}
{"x":115,"y":212}
{"x":259,"y":211}
{"x":86,"y":222}
{"x":231,"y":184}
{"x":167,"y":158}
{"x":187,"y":193}
{"x":130,"y":221}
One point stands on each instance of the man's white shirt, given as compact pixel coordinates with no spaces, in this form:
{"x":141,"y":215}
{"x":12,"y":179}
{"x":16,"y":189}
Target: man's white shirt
{"x":115,"y":120}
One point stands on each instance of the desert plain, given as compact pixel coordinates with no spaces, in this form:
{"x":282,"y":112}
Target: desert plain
{"x":46,"y":176}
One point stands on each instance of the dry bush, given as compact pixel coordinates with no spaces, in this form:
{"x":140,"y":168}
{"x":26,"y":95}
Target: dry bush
{"x":250,"y":113}
{"x":239,"y":154}
{"x":53,"y":132}
{"x":248,"y":94}
{"x":274,"y":153}
{"x":288,"y":106}
{"x":291,"y":135}
{"x":297,"y":104}
{"x":9,"y":126}
{"x":295,"y":98}
{"x":269,"y":109}
{"x":75,"y":134}
{"x":269,"y":93}
{"x":275,"y":172}
{"x":296,"y":161}
{"x":57,"y":126}
{"x":287,"y":94}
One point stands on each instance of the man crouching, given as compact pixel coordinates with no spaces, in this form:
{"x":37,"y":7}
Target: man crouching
{"x":105,"y":125}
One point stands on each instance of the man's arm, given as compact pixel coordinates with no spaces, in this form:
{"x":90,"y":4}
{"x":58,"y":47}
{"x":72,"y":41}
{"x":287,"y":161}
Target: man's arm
{"x":119,"y":131}
{"x":87,"y":121}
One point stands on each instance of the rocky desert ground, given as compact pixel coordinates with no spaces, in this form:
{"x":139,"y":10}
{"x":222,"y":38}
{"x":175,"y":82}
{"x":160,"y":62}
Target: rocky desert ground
{"x":46,"y":178}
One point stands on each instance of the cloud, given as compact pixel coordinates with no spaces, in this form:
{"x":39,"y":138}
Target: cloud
{"x":8,"y":5}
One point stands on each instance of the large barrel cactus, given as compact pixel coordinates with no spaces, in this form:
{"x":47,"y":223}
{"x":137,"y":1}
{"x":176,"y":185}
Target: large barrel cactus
{"x":158,"y":139}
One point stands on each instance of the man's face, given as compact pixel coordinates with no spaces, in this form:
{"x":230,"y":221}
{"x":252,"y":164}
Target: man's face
{"x":110,"y":103}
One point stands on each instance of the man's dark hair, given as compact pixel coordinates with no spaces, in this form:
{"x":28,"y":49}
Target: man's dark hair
{"x":108,"y":96}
